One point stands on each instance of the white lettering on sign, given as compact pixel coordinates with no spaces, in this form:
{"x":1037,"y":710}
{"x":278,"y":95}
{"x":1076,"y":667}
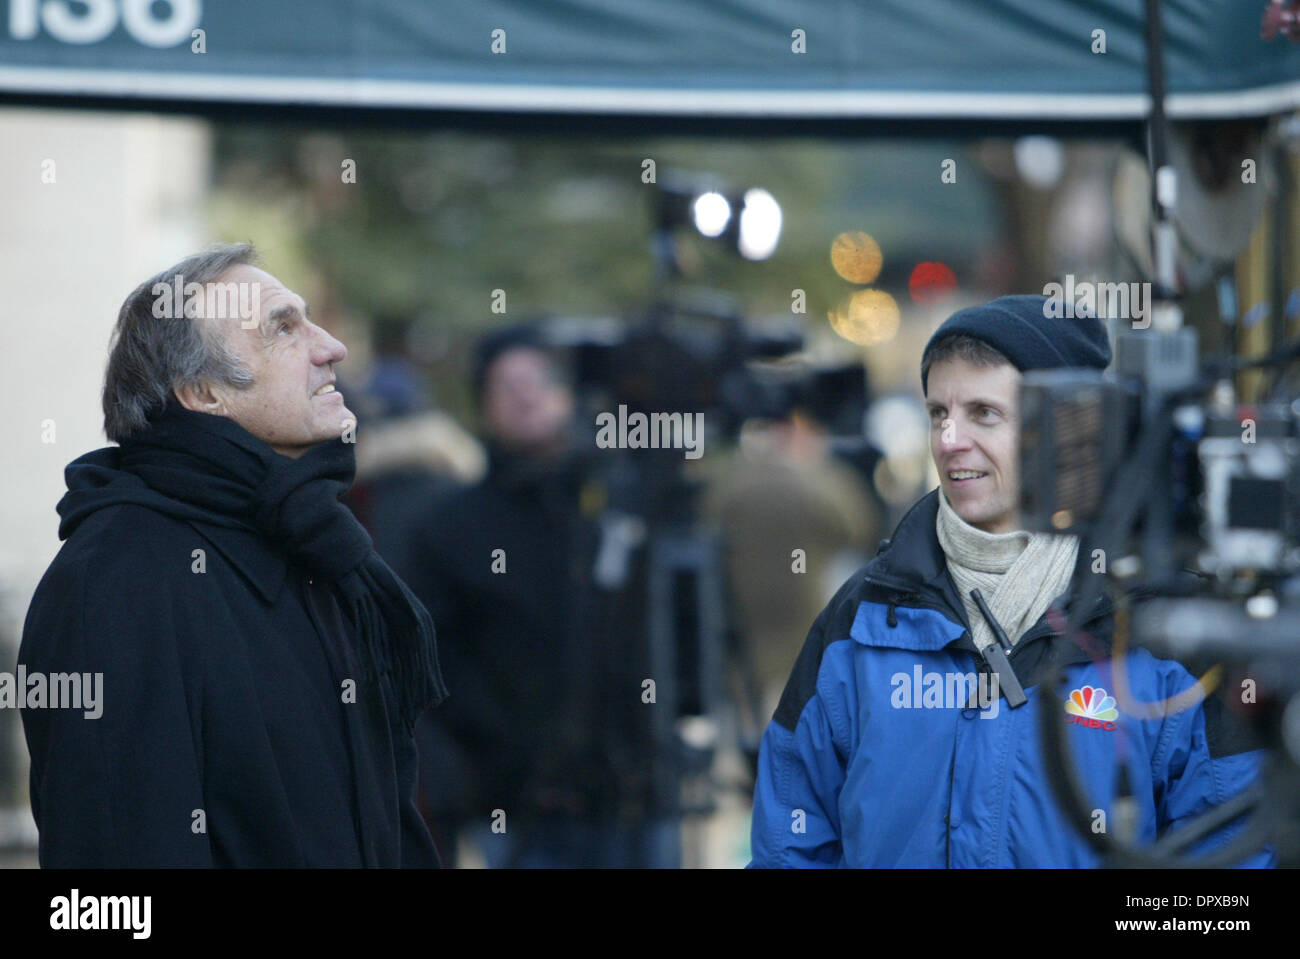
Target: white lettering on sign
{"x":90,"y":21}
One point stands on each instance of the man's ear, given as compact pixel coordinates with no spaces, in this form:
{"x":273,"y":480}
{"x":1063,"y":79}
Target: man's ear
{"x":200,"y":398}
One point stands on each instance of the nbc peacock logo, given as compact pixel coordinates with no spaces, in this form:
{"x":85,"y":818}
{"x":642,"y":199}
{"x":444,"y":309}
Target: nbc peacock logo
{"x":1090,"y":706}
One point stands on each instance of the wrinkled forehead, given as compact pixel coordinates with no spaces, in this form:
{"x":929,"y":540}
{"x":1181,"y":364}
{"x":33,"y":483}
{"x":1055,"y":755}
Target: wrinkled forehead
{"x":958,"y":380}
{"x":247,"y":300}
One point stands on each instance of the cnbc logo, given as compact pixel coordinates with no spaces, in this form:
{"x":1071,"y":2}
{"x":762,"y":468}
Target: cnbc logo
{"x":1090,"y":706}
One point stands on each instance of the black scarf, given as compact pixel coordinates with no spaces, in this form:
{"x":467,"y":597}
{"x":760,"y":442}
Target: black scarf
{"x":196,"y":466}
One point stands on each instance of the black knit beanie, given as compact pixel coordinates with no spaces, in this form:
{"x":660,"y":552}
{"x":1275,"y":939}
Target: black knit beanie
{"x":1020,"y":328}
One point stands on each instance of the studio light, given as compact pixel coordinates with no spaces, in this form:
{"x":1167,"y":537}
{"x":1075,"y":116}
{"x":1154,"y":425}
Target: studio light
{"x":712,"y":213}
{"x":760,"y":225}
{"x":748,"y":222}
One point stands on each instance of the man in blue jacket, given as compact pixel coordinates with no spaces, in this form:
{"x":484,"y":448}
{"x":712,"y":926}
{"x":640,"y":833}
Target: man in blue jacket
{"x":893,"y":744}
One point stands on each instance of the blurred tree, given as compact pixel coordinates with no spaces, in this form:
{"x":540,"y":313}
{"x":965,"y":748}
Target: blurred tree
{"x":435,"y":222}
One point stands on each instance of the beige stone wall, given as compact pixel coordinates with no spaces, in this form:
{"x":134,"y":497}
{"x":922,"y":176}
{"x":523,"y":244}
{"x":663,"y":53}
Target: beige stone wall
{"x":90,"y":205}
{"x":127,"y":198}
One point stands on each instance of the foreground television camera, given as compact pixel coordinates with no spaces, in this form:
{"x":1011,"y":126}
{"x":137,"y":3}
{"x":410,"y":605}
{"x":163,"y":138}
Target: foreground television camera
{"x":1187,"y":503}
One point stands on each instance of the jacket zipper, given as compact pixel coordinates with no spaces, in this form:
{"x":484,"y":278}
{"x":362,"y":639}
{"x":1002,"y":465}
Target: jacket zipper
{"x":903,"y":592}
{"x":906,"y":595}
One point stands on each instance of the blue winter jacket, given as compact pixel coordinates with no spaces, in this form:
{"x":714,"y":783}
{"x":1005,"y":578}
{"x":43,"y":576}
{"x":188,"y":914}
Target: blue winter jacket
{"x":887,"y":748}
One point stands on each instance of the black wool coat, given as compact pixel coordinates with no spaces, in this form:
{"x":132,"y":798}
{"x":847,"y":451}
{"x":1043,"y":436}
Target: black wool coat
{"x":225,"y":737}
{"x":546,"y":668}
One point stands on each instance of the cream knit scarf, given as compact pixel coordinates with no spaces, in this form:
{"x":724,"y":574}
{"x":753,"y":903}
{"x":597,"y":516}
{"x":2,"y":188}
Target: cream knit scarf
{"x":1018,"y":573}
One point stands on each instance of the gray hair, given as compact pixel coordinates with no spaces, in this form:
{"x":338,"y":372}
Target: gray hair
{"x":962,"y":346}
{"x":150,"y":357}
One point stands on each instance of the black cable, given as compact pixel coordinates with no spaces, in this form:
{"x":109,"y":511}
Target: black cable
{"x":1070,"y":792}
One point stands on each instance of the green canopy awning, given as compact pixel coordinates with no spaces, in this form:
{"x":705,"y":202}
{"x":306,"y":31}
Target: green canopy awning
{"x":936,"y":59}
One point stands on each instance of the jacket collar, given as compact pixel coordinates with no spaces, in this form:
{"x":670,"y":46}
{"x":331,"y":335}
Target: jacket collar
{"x":250,"y":554}
{"x":911,"y":563}
{"x":910,"y":569}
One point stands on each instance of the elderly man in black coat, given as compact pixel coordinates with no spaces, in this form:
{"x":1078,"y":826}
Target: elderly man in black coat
{"x":261,"y":667}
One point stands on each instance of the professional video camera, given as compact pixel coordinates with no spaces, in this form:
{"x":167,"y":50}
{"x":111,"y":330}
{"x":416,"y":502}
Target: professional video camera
{"x":1187,"y":504}
{"x":1190,"y":504}
{"x":694,"y":355}
{"x":699,"y":353}
{"x":1231,"y":470}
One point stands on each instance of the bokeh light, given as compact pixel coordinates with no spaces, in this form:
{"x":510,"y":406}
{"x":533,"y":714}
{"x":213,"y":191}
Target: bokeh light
{"x":931,"y":282}
{"x":856,"y":257}
{"x":872,"y":317}
{"x":1039,"y":160}
{"x":760,"y":225}
{"x":712,"y":213}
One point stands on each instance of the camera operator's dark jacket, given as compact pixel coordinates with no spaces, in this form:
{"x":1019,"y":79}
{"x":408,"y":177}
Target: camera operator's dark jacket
{"x":875,"y":759}
{"x":224,"y":738}
{"x":544,"y":668}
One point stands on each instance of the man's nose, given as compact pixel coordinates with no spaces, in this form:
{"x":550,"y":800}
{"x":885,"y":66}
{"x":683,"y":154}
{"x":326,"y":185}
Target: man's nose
{"x":328,"y":349}
{"x":953,"y":436}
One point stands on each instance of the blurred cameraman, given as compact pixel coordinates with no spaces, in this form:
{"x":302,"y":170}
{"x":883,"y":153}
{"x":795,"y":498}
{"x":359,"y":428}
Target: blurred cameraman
{"x":543,"y":666}
{"x":784,"y":493}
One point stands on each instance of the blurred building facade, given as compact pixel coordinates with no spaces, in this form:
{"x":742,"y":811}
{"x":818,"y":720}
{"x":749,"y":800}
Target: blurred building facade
{"x":93,"y":203}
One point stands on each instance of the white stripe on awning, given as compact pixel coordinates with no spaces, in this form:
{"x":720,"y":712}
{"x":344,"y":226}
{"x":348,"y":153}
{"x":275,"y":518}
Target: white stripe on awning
{"x":893,"y":104}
